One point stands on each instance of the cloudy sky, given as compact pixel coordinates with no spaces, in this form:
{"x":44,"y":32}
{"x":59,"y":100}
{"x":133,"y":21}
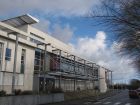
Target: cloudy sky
{"x":67,"y":21}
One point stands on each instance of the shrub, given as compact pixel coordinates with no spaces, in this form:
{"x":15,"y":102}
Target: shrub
{"x":27,"y":92}
{"x":17,"y":91}
{"x":2,"y":93}
{"x":96,"y":88}
{"x":56,"y":90}
{"x":78,"y":88}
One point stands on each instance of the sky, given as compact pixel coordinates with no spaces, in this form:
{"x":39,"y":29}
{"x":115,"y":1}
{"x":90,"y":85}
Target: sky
{"x":67,"y":21}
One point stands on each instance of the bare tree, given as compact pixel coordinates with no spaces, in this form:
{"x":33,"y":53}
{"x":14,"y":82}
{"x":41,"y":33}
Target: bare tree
{"x":134,"y":84}
{"x":123,"y":18}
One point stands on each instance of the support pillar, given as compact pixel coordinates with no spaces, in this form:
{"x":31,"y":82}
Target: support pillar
{"x":44,"y":73}
{"x":74,"y":75}
{"x":111,"y":80}
{"x":14,"y":66}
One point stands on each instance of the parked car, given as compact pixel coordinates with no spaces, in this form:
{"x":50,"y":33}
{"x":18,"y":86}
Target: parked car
{"x":138,"y":90}
{"x":134,"y":93}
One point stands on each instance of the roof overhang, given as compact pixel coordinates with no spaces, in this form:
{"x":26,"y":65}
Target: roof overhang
{"x":21,"y":20}
{"x":10,"y":29}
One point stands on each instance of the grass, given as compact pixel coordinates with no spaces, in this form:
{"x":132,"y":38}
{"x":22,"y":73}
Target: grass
{"x":80,"y":94}
{"x":86,"y":93}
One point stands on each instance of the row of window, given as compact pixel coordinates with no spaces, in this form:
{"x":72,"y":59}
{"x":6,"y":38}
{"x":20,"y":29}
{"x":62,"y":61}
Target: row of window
{"x":70,"y":66}
{"x":8,"y":57}
{"x":34,"y":40}
{"x":39,"y":62}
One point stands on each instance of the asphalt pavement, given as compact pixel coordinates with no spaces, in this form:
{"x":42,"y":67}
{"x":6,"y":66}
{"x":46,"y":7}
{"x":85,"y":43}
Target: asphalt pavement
{"x":121,"y":98}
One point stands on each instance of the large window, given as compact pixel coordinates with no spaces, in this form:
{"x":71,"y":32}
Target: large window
{"x":8,"y":54}
{"x":23,"y":54}
{"x":39,"y":60}
{"x":67,"y":65}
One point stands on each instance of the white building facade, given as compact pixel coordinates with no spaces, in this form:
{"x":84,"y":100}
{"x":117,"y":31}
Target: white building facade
{"x":33,"y":60}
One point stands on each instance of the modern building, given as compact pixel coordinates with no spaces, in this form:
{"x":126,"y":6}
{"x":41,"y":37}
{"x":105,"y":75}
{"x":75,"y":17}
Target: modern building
{"x":33,"y":60}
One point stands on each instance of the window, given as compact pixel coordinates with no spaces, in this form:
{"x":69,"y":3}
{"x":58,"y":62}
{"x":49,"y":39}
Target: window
{"x":36,"y":36}
{"x":34,"y":41}
{"x":39,"y":60}
{"x":8,"y":54}
{"x":22,"y":68}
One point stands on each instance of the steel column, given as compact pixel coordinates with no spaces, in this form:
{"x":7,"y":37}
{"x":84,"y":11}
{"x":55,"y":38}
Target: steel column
{"x":60,"y":68}
{"x":44,"y":78}
{"x":74,"y":75}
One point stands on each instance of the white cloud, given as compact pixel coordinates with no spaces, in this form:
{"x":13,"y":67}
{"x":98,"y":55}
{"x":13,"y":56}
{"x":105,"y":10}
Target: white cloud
{"x":62,"y":33}
{"x":43,"y":25}
{"x":86,"y":46}
{"x":96,"y":49}
{"x":55,"y":7}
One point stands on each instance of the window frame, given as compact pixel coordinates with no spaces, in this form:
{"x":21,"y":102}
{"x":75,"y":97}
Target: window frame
{"x":23,"y":61}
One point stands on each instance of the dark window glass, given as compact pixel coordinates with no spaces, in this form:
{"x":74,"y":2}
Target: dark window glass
{"x":8,"y":54}
{"x":36,"y":67}
{"x":39,"y":60}
{"x":34,"y":41}
{"x":22,"y":68}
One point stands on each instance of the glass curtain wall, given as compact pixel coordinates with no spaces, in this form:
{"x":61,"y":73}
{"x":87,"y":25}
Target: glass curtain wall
{"x":39,"y":61}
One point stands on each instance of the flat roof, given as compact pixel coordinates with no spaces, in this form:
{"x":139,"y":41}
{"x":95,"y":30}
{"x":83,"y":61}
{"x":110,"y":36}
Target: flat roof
{"x":21,"y":20}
